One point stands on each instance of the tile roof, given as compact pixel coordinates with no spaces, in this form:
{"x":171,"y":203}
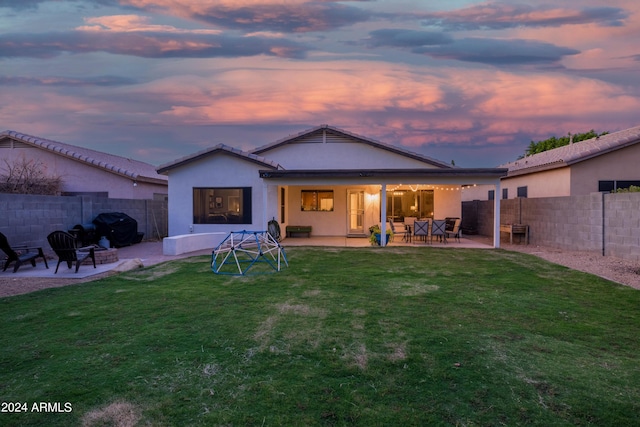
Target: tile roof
{"x":220,"y":148}
{"x":336,"y":131}
{"x":134,"y":169}
{"x":574,"y":153}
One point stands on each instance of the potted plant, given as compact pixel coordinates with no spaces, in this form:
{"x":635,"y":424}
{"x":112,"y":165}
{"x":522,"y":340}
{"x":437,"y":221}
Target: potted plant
{"x":375,"y":231}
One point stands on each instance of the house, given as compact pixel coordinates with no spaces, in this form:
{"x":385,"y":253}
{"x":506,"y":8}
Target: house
{"x":334,"y":181}
{"x":82,"y":170}
{"x":600,"y":164}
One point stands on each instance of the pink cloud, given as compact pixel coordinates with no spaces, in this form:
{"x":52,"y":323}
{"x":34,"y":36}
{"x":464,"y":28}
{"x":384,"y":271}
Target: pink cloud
{"x":133,"y":23}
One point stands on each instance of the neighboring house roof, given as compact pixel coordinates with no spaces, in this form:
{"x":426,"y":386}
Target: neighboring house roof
{"x":574,"y":153}
{"x":331,"y":132}
{"x":218,"y":149}
{"x":133,"y":169}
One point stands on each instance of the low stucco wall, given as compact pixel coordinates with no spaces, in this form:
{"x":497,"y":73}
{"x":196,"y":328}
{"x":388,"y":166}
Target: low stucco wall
{"x":185,"y":243}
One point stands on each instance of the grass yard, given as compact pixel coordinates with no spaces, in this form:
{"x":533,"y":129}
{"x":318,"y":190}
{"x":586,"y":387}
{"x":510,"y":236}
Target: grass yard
{"x":363,"y":336}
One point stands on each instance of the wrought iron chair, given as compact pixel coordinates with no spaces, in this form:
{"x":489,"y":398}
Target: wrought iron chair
{"x":421,"y":229}
{"x":64,"y":245}
{"x":20,"y":254}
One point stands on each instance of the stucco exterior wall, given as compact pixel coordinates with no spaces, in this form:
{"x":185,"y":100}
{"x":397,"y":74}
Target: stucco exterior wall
{"x":344,"y":155}
{"x":551,"y":183}
{"x":478,"y":192}
{"x":78,"y":177}
{"x":214,"y":171}
{"x":331,"y":223}
{"x":447,"y":203}
{"x":620,"y":165}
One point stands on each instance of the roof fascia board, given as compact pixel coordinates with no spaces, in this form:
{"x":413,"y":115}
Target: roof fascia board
{"x":539,"y":168}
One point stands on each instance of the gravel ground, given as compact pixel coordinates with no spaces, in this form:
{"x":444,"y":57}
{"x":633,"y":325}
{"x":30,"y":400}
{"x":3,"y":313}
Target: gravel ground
{"x":614,"y":269}
{"x":611,"y":268}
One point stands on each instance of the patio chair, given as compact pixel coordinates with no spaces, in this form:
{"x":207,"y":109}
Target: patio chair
{"x":64,"y":245}
{"x":438,"y":230}
{"x":20,"y":254}
{"x":453,"y":229}
{"x":421,"y":229}
{"x":404,"y":233}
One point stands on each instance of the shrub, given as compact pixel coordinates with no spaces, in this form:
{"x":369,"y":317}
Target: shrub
{"x":28,"y":177}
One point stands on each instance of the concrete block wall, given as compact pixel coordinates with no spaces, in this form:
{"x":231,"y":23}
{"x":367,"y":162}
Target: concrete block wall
{"x":607,"y":224}
{"x":571,"y":223}
{"x":28,"y":219}
{"x":622,"y":225}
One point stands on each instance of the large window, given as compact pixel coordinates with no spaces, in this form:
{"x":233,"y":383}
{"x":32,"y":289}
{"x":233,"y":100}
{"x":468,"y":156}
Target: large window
{"x":408,"y":203}
{"x":316,"y":200}
{"x":222,"y":205}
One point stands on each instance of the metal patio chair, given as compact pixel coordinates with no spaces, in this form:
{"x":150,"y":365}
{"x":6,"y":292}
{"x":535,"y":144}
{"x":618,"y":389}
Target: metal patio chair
{"x":421,"y":229}
{"x":438,"y":229}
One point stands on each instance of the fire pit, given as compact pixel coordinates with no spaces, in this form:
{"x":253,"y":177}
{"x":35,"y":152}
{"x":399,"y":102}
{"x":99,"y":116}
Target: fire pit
{"x":103,"y":256}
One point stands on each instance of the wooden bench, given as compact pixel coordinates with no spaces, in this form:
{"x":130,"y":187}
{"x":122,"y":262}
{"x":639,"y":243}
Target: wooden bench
{"x":298,"y":229}
{"x":519,"y":229}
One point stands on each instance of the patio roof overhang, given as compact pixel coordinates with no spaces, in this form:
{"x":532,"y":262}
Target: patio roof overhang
{"x":460,"y":176}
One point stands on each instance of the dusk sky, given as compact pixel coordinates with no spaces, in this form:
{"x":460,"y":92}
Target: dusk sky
{"x":463,"y":80}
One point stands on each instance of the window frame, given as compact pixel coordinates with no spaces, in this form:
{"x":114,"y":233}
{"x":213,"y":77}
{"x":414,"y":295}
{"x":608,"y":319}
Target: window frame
{"x":523,"y":191}
{"x":209,"y":207}
{"x":316,"y":202}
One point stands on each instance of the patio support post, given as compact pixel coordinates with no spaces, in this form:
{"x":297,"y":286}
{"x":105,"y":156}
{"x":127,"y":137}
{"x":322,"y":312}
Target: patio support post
{"x":496,"y":215}
{"x":383,"y":215}
{"x":265,"y":203}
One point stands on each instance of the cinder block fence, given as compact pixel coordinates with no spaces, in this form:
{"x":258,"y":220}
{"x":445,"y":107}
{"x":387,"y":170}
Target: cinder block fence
{"x":28,"y":219}
{"x":603,"y":223}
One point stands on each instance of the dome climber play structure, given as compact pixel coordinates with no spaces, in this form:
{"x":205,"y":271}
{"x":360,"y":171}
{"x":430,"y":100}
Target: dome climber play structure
{"x":242,"y":251}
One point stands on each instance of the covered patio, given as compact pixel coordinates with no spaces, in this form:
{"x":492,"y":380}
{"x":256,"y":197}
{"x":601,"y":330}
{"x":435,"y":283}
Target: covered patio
{"x":334,"y":221}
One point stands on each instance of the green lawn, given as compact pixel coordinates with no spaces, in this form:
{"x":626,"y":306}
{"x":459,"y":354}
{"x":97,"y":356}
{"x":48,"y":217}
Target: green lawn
{"x":363,"y":336}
